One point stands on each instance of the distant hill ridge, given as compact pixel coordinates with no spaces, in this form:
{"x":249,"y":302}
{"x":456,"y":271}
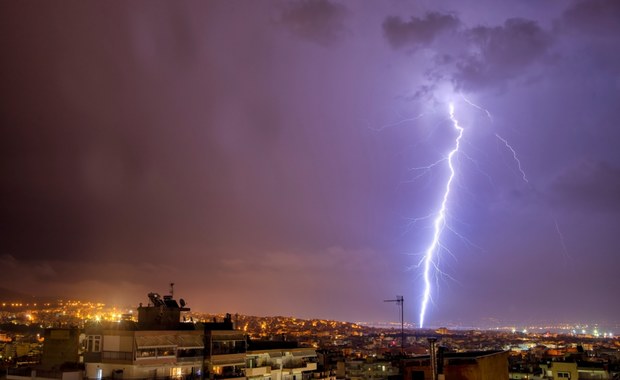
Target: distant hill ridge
{"x":8,"y":295}
{"x":11,"y":295}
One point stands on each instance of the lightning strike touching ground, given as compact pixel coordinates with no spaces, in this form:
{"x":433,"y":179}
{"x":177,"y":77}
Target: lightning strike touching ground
{"x":430,"y":255}
{"x":440,"y":220}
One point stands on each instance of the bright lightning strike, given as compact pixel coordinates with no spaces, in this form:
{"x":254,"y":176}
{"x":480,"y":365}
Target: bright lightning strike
{"x":429,"y":259}
{"x":440,"y":220}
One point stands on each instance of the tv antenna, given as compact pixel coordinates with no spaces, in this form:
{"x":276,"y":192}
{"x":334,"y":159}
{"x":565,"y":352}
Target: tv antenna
{"x":400,"y":300}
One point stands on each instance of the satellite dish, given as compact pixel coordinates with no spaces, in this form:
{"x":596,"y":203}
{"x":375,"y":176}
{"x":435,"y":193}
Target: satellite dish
{"x":182,"y":302}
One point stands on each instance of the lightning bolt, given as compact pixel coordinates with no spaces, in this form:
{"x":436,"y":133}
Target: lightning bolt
{"x":514,"y":156}
{"x":439,"y":223}
{"x":500,"y":138}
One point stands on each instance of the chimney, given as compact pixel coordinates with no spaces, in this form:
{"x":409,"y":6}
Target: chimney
{"x":431,"y":342}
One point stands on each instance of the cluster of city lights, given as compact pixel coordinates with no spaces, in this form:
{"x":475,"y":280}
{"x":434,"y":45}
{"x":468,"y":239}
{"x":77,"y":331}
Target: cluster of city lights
{"x":595,"y":332}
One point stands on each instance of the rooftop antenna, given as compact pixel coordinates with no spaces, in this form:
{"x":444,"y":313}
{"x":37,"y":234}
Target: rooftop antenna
{"x":399,"y":302}
{"x":172,"y":290}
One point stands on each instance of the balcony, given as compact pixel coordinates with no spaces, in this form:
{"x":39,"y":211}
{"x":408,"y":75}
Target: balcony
{"x":310,"y":366}
{"x":189,"y":359}
{"x":226,"y":360}
{"x":92,"y":357}
{"x":229,"y":376}
{"x":258,"y":371}
{"x":116,"y":357}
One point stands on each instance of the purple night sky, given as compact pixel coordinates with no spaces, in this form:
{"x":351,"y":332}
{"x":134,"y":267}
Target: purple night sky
{"x":263,"y":155}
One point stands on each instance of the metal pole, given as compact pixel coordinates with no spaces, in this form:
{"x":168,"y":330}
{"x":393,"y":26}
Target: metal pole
{"x":400,"y":300}
{"x":432,"y":342}
{"x":402,"y":325}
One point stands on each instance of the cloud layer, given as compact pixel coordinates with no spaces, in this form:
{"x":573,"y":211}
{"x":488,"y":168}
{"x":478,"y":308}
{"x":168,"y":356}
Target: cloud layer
{"x":320,"y":21}
{"x":418,"y":31}
{"x":473,"y":58}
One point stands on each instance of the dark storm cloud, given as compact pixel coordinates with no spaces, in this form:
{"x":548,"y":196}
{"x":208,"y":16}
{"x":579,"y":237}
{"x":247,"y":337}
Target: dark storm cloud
{"x":476,"y":58}
{"x":121,"y":285}
{"x":592,"y":27}
{"x":418,"y":31}
{"x":31,"y":272}
{"x":501,"y":53}
{"x":597,"y":17}
{"x":320,"y":21}
{"x":589,"y":186}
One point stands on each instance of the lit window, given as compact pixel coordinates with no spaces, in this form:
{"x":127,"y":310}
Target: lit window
{"x":177,"y":372}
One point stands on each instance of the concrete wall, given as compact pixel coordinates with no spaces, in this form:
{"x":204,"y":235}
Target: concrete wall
{"x":60,"y":346}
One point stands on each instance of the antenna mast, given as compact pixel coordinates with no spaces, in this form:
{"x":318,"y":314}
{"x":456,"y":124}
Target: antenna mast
{"x":400,"y":300}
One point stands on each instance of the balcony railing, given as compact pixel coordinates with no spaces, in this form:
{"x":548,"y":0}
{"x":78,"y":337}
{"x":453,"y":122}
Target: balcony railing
{"x":184,"y":377}
{"x":115,"y":355}
{"x":257,"y":371}
{"x":189,"y":359}
{"x":229,"y":375}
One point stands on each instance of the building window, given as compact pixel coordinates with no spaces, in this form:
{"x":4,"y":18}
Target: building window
{"x":155,"y":352}
{"x":189,"y":352}
{"x":146,"y":353}
{"x":166,"y":351}
{"x":93,"y":343}
{"x":564,"y":375}
{"x":176,"y":372}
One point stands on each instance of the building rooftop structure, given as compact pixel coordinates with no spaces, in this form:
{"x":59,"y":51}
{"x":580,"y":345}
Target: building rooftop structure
{"x":164,"y":344}
{"x":473,"y":365}
{"x":162,"y":313}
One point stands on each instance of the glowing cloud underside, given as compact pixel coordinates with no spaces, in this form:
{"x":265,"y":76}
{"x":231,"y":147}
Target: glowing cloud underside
{"x":440,"y":220}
